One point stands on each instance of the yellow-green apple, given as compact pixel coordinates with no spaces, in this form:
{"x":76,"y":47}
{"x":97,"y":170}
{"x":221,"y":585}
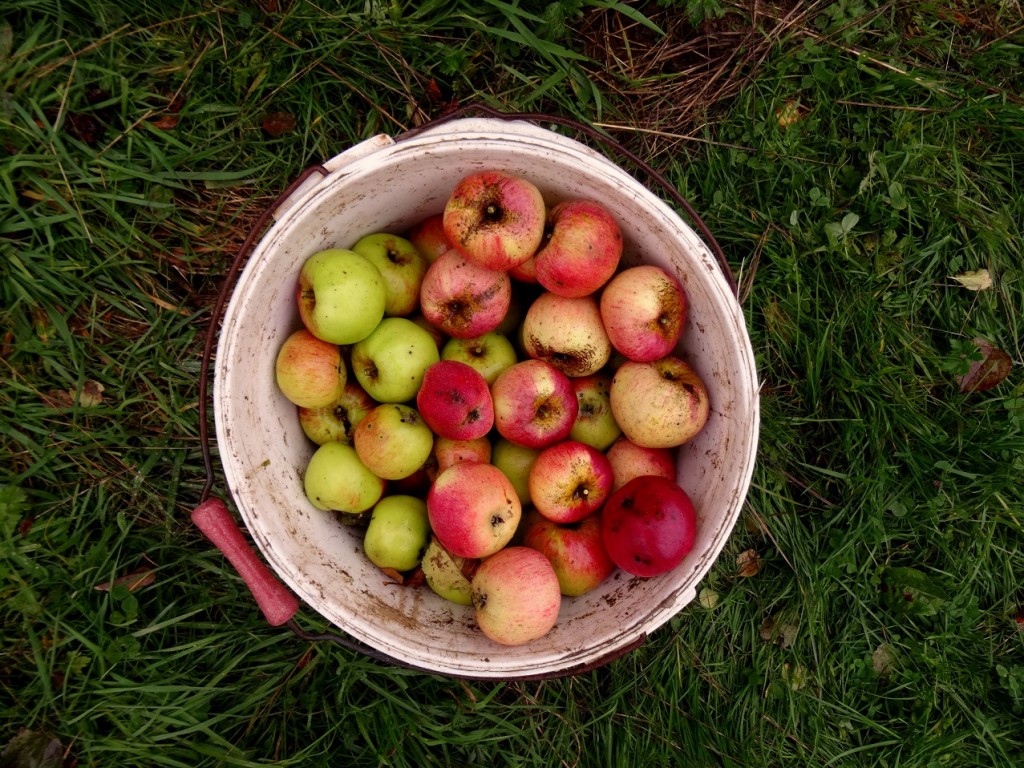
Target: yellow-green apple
{"x":644,"y":310}
{"x":595,"y":425}
{"x":495,"y":219}
{"x":336,"y":421}
{"x":576,"y":551}
{"x":534,"y":404}
{"x":660,"y":404}
{"x":463,"y":299}
{"x":630,"y":460}
{"x":566,"y":332}
{"x":474,"y":510}
{"x":490,"y":354}
{"x":393,"y":441}
{"x":400,"y":264}
{"x":516,"y":596}
{"x":448,"y":451}
{"x":397,"y":533}
{"x":429,"y":238}
{"x":570,"y":481}
{"x":648,"y":526}
{"x":582,"y":248}
{"x":515,"y":461}
{"x":389,"y":363}
{"x":455,"y":401}
{"x":336,"y":479}
{"x":309,"y":371}
{"x":446,"y":574}
{"x":341,"y":295}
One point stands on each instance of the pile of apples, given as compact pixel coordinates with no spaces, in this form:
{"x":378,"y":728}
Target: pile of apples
{"x":496,"y":399}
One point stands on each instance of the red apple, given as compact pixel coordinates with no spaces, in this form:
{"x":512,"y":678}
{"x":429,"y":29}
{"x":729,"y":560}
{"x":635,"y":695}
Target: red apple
{"x":534,"y":404}
{"x":429,"y":238}
{"x":582,"y":250}
{"x":473,"y":509}
{"x":660,"y":404}
{"x":566,"y":332}
{"x":576,"y":551}
{"x":448,"y":452}
{"x":644,"y":310}
{"x":309,"y":371}
{"x":455,"y":401}
{"x":516,"y":596}
{"x":648,"y":526}
{"x":463,"y":299}
{"x":570,"y":481}
{"x":525,"y":272}
{"x":630,"y":460}
{"x":495,"y":219}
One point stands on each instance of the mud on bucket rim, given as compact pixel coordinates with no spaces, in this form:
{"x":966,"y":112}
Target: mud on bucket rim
{"x":386,"y":185}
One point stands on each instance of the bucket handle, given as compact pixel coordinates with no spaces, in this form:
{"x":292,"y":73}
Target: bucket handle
{"x":211,"y":515}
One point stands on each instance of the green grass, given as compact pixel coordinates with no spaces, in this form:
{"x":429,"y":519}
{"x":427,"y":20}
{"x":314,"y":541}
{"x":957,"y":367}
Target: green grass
{"x":884,"y":627}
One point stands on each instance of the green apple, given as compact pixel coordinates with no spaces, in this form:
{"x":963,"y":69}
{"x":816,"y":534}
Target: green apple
{"x":389,"y":363}
{"x":595,"y":425}
{"x":515,"y":461}
{"x":490,"y":354}
{"x":336,"y":479}
{"x":446,"y":574}
{"x":397,"y":533}
{"x":401,"y":265}
{"x":393,"y":441}
{"x":341,"y":296}
{"x":337,"y":421}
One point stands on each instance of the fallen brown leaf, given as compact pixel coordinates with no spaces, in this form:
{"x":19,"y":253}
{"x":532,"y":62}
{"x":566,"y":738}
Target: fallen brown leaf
{"x":749,"y":563}
{"x":278,"y":123}
{"x":137,"y":579}
{"x":91,"y":394}
{"x":989,"y":371}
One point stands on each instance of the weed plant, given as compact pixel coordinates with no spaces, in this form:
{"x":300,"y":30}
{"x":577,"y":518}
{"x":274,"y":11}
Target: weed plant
{"x":868,"y":608}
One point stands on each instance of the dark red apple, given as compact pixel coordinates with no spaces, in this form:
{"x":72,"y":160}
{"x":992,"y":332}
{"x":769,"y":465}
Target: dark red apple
{"x":648,"y":525}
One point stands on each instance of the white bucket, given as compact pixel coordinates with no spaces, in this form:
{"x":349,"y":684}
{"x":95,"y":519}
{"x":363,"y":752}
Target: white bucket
{"x":381,"y":185}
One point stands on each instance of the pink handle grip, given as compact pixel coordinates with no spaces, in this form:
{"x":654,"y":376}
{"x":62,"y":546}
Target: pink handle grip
{"x":274,"y":599}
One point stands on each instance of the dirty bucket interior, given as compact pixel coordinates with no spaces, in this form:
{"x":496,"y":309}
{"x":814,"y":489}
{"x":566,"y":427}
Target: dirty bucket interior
{"x":384,"y":186}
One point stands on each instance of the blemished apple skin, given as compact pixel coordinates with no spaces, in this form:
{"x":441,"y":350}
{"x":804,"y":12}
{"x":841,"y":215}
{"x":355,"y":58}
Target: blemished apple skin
{"x":659,"y":404}
{"x":567,"y":333}
{"x":462,"y":299}
{"x":516,"y":596}
{"x":569,"y":481}
{"x":474,"y":510}
{"x":644,"y":311}
{"x":495,"y":219}
{"x":582,"y":251}
{"x":455,"y":401}
{"x":534,"y":404}
{"x":309,"y":372}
